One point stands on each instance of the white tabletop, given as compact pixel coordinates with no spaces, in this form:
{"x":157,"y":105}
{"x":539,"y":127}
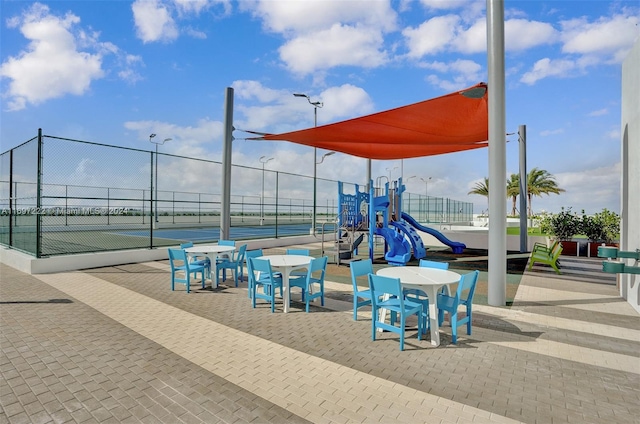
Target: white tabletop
{"x":416,"y":276}
{"x":278,"y":261}
{"x":212,"y":248}
{"x":286,"y":264}
{"x":427,"y":279}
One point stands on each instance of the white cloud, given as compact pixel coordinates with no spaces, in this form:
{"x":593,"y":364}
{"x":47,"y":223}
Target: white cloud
{"x":610,"y":38}
{"x":153,"y":21}
{"x":192,"y":141}
{"x":607,"y":40}
{"x":324,"y":34}
{"x":600,"y":112}
{"x":547,"y":133}
{"x":461,"y":74}
{"x":293,"y":18}
{"x":546,"y":67}
{"x":337,"y":46}
{"x":265,"y":109}
{"x":51,"y":66}
{"x":432,"y":36}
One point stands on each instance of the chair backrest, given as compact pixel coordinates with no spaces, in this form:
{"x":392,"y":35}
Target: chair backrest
{"x":317,"y":265}
{"x":467,"y":284}
{"x":253,"y":254}
{"x":380,"y":285}
{"x":358,"y":269}
{"x":241,"y":254}
{"x":425,"y":263}
{"x":556,"y":252}
{"x":263,"y":266}
{"x":178,"y":255}
{"x":186,"y":244}
{"x":226,"y":243}
{"x":303,"y":252}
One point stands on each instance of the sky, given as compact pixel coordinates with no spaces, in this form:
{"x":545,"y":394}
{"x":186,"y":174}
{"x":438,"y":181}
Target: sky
{"x":116,"y":71}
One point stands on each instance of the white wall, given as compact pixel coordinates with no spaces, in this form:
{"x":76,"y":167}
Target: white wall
{"x":630,"y":178}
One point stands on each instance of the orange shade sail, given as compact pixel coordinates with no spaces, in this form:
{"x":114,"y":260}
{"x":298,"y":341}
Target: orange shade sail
{"x":450,"y":123}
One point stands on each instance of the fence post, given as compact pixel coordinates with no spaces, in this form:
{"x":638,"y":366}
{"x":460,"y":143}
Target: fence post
{"x":151,"y":204}
{"x":39,"y":196}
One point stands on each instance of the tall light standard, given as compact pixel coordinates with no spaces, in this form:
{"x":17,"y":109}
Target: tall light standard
{"x":426,"y":186}
{"x":426,"y":196}
{"x":157,"y":143}
{"x":390,"y":170}
{"x":315,"y":105}
{"x":263,"y":160}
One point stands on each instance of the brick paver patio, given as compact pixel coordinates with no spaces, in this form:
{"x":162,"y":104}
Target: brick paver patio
{"x":115,"y":344}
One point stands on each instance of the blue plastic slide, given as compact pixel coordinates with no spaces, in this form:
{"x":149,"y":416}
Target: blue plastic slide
{"x":399,"y":248}
{"x":455,"y":246}
{"x":419,"y":250}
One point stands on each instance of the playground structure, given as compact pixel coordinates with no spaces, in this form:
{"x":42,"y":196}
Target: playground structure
{"x":379,"y":213}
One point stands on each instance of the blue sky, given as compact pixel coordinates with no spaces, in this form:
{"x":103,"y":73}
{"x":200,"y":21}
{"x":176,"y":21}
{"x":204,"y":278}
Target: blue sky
{"x":116,"y":71}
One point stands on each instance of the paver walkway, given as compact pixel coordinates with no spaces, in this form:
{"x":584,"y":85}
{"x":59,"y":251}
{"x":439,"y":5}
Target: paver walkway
{"x":115,"y":344}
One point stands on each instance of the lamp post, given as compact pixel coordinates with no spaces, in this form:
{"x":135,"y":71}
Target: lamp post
{"x":157,"y":143}
{"x":263,"y":160}
{"x":426,"y":186}
{"x":315,"y":105}
{"x":391,"y":170}
{"x":426,"y":196}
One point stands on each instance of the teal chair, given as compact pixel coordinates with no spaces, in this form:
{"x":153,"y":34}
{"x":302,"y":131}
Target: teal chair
{"x":261,"y":275}
{"x":180,"y":264}
{"x":387,"y":294}
{"x":251,"y":254}
{"x":298,"y":273}
{"x":236,"y":265}
{"x":226,"y":256}
{"x":463,"y":297}
{"x":198,"y":260}
{"x":361,"y":268}
{"x":417,"y":295}
{"x":312,"y":284}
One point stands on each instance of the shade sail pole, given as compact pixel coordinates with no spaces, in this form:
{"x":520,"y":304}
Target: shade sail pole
{"x":522,"y":144}
{"x":497,"y":155}
{"x":225,"y":201}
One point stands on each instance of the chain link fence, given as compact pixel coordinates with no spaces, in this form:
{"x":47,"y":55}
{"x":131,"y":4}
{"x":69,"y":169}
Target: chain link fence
{"x":61,"y":196}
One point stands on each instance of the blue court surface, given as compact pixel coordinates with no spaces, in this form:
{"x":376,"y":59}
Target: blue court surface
{"x":208,"y":234}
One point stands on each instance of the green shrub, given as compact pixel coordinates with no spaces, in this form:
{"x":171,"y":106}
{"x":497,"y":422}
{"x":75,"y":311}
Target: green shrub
{"x":602,"y":227}
{"x":561,"y":226}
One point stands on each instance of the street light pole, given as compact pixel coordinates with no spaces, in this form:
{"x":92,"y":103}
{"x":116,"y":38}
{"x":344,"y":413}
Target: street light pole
{"x":390,"y":170}
{"x":157,"y":143}
{"x":263,"y":160}
{"x":426,"y":186}
{"x":315,"y":105}
{"x":426,"y":196}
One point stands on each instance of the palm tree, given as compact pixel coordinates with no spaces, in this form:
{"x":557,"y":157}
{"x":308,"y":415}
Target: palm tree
{"x":513,"y":190}
{"x":481,"y":188}
{"x":540,"y":182}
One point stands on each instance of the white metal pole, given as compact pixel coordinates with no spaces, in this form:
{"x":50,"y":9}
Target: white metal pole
{"x":315,"y":175}
{"x":497,"y":155}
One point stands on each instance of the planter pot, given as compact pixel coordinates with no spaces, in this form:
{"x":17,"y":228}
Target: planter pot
{"x":570,"y":248}
{"x":592,"y":250}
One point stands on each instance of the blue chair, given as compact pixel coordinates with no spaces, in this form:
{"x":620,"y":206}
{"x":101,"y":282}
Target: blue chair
{"x":225,"y":256}
{"x":463,"y":297}
{"x":197,"y":260}
{"x":313,"y":284}
{"x":417,"y":295}
{"x":361,"y":268}
{"x":251,"y":254}
{"x":236,"y":266}
{"x":387,"y":294}
{"x":261,"y":274}
{"x":180,"y":263}
{"x":304,"y":252}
